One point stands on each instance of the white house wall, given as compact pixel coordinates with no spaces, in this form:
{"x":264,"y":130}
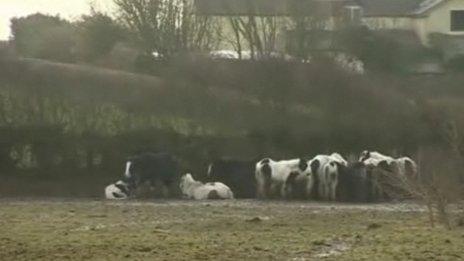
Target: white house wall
{"x":379,"y":23}
{"x":437,"y":20}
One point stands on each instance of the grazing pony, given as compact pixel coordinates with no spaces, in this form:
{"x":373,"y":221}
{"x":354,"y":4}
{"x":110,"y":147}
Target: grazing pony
{"x":405,"y":167}
{"x":272,"y":176}
{"x":394,"y":175}
{"x":197,"y":190}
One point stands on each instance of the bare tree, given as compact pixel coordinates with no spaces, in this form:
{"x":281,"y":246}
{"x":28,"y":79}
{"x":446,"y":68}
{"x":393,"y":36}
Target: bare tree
{"x":304,"y":33}
{"x":436,"y":185}
{"x":259,"y":33}
{"x":168,"y":26}
{"x":236,"y":40}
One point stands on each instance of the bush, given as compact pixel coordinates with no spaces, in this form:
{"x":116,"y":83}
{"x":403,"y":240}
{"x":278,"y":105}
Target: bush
{"x":201,"y":110}
{"x":391,"y":51}
{"x":45,"y":37}
{"x":97,"y":35}
{"x":456,"y":64}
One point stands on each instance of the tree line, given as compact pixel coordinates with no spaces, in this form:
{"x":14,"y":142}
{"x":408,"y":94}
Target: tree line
{"x":165,"y":30}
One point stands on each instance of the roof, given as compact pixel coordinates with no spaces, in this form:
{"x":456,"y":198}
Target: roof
{"x":375,"y":8}
{"x":269,"y":7}
{"x":372,"y":8}
{"x":240,"y":7}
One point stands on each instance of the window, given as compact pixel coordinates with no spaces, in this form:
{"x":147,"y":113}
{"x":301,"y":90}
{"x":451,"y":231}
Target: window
{"x":353,"y":14}
{"x":457,"y":21}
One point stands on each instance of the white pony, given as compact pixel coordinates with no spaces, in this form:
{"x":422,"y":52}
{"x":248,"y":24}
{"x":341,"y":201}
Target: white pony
{"x":197,"y":190}
{"x":118,"y":190}
{"x":373,"y":158}
{"x":339,"y":158}
{"x":407,"y":167}
{"x":325,"y":168}
{"x":274,"y":175}
{"x":404,"y":166}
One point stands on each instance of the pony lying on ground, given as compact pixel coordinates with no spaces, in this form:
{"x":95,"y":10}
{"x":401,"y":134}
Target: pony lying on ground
{"x":197,"y":190}
{"x":118,"y":190}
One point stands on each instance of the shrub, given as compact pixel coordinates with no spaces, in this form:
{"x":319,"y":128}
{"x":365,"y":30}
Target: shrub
{"x":43,"y":36}
{"x":392,"y":51}
{"x":97,"y":35}
{"x":456,"y":64}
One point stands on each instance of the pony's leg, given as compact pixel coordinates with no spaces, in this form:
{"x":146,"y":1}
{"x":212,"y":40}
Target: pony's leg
{"x":284,"y":191}
{"x":276,"y":189}
{"x":322,"y":191}
{"x":334,"y":192}
{"x":265,"y":187}
{"x":260,"y":189}
{"x":329,"y":192}
{"x":309,"y":188}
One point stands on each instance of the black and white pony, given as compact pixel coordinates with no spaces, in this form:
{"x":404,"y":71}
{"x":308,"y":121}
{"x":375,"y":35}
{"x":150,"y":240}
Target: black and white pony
{"x":396,"y":176}
{"x":118,"y":190}
{"x":197,"y":190}
{"x":152,"y":169}
{"x":325,"y":170}
{"x":280,"y":177}
{"x":404,"y":166}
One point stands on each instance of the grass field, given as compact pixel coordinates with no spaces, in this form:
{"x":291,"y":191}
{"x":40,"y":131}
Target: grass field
{"x":227,"y":230}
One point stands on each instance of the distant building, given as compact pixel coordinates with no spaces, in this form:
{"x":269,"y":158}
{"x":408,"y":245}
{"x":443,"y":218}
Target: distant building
{"x":437,"y":23}
{"x":424,"y":17}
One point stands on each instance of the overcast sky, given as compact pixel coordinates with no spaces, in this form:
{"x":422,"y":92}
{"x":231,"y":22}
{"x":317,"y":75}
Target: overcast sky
{"x":69,"y":9}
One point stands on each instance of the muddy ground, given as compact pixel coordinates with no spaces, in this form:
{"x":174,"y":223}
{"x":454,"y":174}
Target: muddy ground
{"x":61,"y":229}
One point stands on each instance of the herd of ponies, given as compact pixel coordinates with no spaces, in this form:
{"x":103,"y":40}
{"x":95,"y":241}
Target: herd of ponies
{"x":324,"y":177}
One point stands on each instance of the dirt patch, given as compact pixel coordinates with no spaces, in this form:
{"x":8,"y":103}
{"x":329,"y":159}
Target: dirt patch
{"x":332,"y":248}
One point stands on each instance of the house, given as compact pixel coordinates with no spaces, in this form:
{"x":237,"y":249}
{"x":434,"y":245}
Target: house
{"x":273,"y":7}
{"x":326,"y":16}
{"x":426,"y":18}
{"x":434,"y":23}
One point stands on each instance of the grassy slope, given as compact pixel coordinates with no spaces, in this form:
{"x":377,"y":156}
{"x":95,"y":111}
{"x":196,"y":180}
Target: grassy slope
{"x":183,"y":230}
{"x":183,"y":107}
{"x":228,"y":98}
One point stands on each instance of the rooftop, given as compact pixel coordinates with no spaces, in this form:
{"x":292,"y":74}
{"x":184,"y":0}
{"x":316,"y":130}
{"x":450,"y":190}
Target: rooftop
{"x":319,"y":7}
{"x":397,"y":7}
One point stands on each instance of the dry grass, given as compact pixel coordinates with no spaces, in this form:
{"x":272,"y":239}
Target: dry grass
{"x":227,"y":230}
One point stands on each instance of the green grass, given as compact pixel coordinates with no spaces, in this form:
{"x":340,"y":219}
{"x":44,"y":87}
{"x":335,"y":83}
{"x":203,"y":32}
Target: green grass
{"x":234,"y":230}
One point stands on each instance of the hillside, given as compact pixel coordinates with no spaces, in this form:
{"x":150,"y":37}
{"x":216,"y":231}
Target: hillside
{"x":87,"y":120}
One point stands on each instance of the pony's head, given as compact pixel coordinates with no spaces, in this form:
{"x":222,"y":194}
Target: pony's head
{"x":185,"y":181}
{"x":364,"y":155}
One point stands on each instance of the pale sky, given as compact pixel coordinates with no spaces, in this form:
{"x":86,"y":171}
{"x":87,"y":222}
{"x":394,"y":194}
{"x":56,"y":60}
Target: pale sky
{"x":69,"y":9}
